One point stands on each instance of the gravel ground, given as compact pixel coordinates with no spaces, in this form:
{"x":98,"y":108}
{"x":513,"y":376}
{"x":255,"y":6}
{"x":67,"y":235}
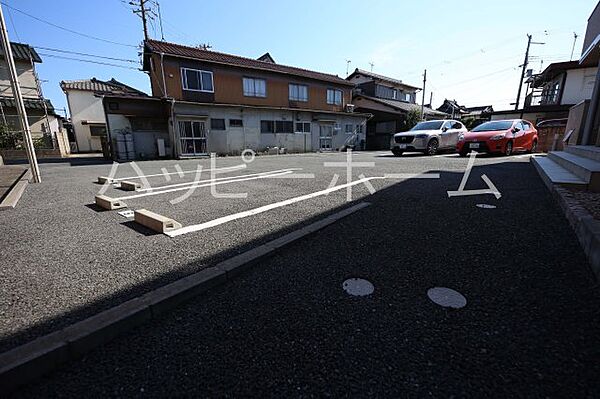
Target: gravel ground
{"x":589,"y":200}
{"x":531,"y":326}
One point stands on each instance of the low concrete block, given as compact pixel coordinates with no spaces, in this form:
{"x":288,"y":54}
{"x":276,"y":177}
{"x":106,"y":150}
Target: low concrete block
{"x":87,"y":334}
{"x":130,"y":186}
{"x":154,"y":221}
{"x":109,"y":203}
{"x":104,"y":179}
{"x":30,"y":361}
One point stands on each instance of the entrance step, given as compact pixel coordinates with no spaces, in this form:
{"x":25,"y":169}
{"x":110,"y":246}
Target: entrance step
{"x":553,"y":173}
{"x":586,"y":151}
{"x":585,"y":168}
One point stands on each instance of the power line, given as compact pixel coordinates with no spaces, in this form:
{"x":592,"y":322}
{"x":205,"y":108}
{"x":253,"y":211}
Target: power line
{"x":66,"y":29}
{"x":89,"y":61}
{"x":85,"y":54}
{"x":480,"y":77}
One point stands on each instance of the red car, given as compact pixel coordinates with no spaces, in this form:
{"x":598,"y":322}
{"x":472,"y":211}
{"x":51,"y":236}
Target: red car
{"x":502,"y":137}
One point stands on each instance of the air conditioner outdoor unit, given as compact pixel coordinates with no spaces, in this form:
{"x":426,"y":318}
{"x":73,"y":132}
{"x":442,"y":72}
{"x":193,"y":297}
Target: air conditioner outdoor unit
{"x":349,"y":107}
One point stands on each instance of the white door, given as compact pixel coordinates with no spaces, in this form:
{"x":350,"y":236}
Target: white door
{"x":192,"y":136}
{"x":325,"y":137}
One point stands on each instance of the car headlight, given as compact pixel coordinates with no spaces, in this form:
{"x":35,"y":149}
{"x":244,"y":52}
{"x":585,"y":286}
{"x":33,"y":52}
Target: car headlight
{"x":497,"y":137}
{"x":461,"y":137}
{"x":421,"y":136}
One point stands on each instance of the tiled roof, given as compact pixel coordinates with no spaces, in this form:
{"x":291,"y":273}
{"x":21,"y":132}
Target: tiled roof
{"x":178,"y":50}
{"x":100,"y":86}
{"x":22,"y":52}
{"x":358,"y":71}
{"x":402,"y":106}
{"x":37,"y":104}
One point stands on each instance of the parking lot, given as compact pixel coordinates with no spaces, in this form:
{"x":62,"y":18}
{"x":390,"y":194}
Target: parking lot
{"x":68,"y":259}
{"x":530,"y":325}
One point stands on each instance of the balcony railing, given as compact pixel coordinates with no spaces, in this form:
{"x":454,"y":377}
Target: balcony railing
{"x":542,"y":97}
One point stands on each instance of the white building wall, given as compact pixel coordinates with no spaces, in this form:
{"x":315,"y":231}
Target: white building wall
{"x":233,"y":140}
{"x":578,"y":85}
{"x":84,"y":106}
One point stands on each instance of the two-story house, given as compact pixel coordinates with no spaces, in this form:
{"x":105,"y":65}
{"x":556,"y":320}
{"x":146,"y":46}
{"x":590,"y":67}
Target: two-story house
{"x":84,"y":98}
{"x":223,"y":103}
{"x":389,"y":100}
{"x":40,"y":113}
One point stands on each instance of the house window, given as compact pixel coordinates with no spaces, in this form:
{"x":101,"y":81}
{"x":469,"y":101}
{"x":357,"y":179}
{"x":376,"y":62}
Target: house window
{"x":407,"y":97}
{"x":98,"y":130}
{"x":217,"y":124}
{"x":284,"y":127}
{"x":334,"y":97}
{"x":236,"y":123}
{"x":386,"y":92}
{"x":197,"y":80}
{"x":267,"y":126}
{"x":255,"y":87}
{"x":302,"y":127}
{"x":349,"y":128}
{"x":359,"y":128}
{"x":298,"y":92}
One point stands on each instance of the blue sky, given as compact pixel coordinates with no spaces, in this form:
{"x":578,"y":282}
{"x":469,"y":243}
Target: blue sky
{"x":471,"y":51}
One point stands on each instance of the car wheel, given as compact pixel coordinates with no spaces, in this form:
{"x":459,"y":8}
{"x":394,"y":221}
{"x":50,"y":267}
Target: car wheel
{"x":397,"y":152}
{"x":432,"y":147}
{"x":508,"y":149}
{"x":533,"y":146}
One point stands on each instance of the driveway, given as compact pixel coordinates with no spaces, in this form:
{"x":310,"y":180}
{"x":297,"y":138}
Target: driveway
{"x":530,"y":326}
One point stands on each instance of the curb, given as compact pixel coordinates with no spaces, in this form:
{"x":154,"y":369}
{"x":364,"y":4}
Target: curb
{"x":27,"y":362}
{"x":16,"y":191}
{"x":586,"y":228}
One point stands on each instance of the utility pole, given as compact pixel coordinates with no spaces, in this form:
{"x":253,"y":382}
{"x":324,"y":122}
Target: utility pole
{"x":142,"y":12}
{"x":423,"y":100}
{"x":22,"y":113}
{"x":525,"y":62}
{"x":372,"y":65}
{"x":347,"y":66}
{"x":431,"y":99}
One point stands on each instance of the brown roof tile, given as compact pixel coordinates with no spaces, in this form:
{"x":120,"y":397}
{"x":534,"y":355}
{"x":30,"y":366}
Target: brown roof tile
{"x":100,"y":86}
{"x":228,"y":59}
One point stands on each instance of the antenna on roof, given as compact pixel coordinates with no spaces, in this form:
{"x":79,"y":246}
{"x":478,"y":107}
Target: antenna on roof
{"x":574,"y":41}
{"x":372,"y":65}
{"x":347,"y":66}
{"x":204,"y":46}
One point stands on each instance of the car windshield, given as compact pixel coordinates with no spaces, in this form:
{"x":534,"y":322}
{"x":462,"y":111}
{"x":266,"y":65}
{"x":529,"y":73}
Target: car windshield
{"x":431,"y":125}
{"x":495,"y":125}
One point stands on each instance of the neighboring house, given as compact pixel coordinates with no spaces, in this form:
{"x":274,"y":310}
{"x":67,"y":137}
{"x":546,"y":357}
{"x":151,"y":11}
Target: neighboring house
{"x":389,"y":100}
{"x":206,"y":101}
{"x":477,"y":115}
{"x":42,"y":119}
{"x":84,"y":98}
{"x":452,"y":108}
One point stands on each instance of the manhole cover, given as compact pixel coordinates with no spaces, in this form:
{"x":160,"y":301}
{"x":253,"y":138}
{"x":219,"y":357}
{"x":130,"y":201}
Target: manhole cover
{"x":358,"y":287}
{"x":486,"y":206}
{"x":447,"y":297}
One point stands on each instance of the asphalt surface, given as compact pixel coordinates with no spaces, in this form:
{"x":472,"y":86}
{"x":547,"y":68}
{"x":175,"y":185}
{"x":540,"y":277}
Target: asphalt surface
{"x":531,"y":326}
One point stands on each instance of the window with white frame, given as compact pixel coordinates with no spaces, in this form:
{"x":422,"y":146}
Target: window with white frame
{"x":298,"y":92}
{"x":359,"y":128}
{"x":349,"y":128}
{"x":197,"y":80}
{"x":254,"y":87}
{"x":334,"y":97}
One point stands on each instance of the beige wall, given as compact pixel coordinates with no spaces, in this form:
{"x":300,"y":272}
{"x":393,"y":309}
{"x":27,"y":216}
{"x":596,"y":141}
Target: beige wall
{"x":84,"y":106}
{"x":26,"y":81}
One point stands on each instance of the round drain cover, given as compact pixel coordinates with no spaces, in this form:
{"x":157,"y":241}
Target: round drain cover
{"x":486,"y":206}
{"x":358,"y":287}
{"x":447,"y":297}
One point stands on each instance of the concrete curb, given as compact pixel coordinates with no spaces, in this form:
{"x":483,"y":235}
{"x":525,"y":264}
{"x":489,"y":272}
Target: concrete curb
{"x":16,"y":192}
{"x":586,"y":228}
{"x":45,"y":354}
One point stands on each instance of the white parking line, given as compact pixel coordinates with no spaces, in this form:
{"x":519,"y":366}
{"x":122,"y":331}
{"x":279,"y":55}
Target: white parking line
{"x":212,"y":183}
{"x":265,"y":208}
{"x":181,"y":172}
{"x":192,"y":183}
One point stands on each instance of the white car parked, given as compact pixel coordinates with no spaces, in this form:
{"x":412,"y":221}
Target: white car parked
{"x":428,"y":137}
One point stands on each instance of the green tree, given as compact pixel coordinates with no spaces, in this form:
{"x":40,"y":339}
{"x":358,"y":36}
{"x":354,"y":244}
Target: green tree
{"x":412,"y":118}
